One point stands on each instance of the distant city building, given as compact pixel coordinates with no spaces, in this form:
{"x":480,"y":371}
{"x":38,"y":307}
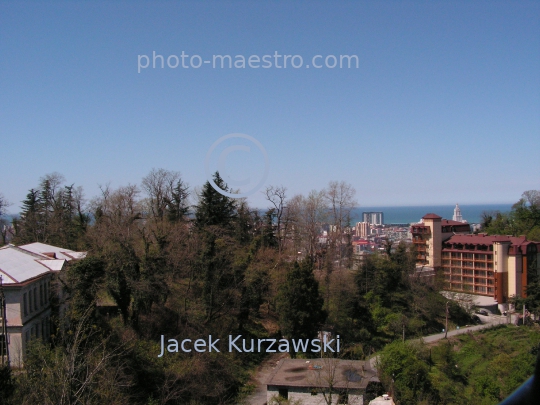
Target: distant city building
{"x":362,"y":229}
{"x":495,"y":266}
{"x":374,"y":218}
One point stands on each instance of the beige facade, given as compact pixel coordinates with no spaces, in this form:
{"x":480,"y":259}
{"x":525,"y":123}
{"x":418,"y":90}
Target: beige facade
{"x":495,"y":266}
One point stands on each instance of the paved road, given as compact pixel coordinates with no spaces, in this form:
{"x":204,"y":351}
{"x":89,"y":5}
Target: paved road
{"x":490,"y":321}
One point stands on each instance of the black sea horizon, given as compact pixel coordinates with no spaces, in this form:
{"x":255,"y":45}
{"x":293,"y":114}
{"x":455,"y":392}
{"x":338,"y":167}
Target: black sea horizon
{"x":472,"y":213}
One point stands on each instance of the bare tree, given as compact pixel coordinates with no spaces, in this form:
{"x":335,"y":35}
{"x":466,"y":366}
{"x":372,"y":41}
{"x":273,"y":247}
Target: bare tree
{"x":340,"y":200}
{"x":5,"y":226}
{"x":332,"y":378}
{"x":277,"y":196}
{"x":309,"y":215}
{"x":532,"y":197}
{"x":3,"y":204}
{"x":84,"y":368}
{"x":167,"y":193}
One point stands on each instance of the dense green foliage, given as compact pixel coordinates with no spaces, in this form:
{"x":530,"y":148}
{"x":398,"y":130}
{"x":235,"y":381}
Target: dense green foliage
{"x":523,"y":219}
{"x":391,"y":301}
{"x":480,"y":368}
{"x":299,"y":303}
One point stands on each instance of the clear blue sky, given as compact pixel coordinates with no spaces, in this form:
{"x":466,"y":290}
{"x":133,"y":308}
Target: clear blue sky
{"x":443,"y":108}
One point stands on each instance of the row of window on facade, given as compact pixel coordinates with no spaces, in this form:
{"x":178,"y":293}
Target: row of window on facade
{"x":40,"y":329}
{"x":467,"y":246}
{"x":30,"y":298}
{"x":470,"y":287}
{"x":476,"y":256}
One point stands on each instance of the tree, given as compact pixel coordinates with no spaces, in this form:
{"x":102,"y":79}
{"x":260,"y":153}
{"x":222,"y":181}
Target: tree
{"x":277,"y":196}
{"x":308,"y":215}
{"x":403,"y":372}
{"x":167,"y":194}
{"x":83,"y":367}
{"x":299,"y":303}
{"x":340,"y":201}
{"x":214,"y":208}
{"x":3,"y":204}
{"x":4,"y":224}
{"x":53,"y":214}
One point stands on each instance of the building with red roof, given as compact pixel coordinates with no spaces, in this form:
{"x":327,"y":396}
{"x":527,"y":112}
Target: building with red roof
{"x":495,"y":266}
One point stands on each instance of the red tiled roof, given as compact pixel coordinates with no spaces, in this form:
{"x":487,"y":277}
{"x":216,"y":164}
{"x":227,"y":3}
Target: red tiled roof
{"x":450,"y":222}
{"x":483,"y":239}
{"x":431,"y":216}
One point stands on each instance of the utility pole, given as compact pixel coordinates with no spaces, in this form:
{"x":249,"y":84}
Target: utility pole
{"x":446,"y":328}
{"x":4,"y":349}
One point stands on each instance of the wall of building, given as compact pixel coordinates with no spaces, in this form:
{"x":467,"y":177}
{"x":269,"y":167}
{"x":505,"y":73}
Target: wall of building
{"x":305,"y":395}
{"x":27,"y":320}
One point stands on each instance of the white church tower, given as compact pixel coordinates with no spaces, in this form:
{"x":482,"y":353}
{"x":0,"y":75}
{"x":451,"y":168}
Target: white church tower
{"x":457,"y":214}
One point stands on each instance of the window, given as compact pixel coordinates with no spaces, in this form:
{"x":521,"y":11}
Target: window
{"x":31,"y":306}
{"x":283,"y":393}
{"x":35,"y":299}
{"x":41,"y":294}
{"x":25,"y":304}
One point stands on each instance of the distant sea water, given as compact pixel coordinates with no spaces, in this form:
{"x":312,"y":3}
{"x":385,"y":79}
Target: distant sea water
{"x":410,"y":214}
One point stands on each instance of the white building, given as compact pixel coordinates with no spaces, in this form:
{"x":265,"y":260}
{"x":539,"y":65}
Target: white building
{"x":457,"y":215}
{"x":26,"y":274}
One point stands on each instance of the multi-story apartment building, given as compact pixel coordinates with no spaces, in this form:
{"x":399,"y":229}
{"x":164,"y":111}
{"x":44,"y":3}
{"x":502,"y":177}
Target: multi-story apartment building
{"x":373,"y":218}
{"x":362,"y":229}
{"x":493,"y":266}
{"x":26,"y":273}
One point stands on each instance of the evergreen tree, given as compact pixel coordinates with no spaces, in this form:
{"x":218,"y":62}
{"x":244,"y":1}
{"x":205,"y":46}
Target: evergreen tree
{"x":30,"y":228}
{"x":177,"y":206}
{"x":299,"y":303}
{"x":215,"y":209}
{"x":268,"y":235}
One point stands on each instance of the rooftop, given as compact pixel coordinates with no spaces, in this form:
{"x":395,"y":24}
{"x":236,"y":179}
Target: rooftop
{"x":53,"y":251}
{"x":18,"y":265}
{"x":431,"y":216}
{"x":319,"y":372}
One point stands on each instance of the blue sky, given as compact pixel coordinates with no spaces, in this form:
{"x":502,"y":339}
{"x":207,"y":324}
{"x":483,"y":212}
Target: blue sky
{"x":444,"y":106}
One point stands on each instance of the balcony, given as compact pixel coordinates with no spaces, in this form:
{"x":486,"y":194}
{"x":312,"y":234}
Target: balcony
{"x":420,"y":230}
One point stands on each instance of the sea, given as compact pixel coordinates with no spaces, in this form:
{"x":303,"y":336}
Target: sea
{"x":411,"y":214}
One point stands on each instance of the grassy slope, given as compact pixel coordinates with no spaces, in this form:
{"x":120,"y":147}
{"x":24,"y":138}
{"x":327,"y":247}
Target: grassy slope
{"x":484,"y":368}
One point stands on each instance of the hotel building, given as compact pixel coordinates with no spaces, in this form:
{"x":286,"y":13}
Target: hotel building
{"x":493,"y":266}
